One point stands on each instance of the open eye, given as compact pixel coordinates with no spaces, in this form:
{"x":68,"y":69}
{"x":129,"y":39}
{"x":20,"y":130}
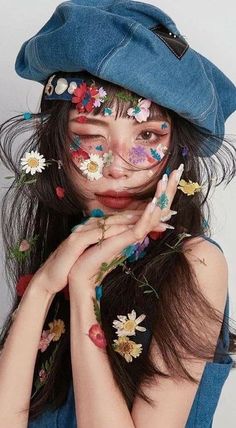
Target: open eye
{"x":147,"y":136}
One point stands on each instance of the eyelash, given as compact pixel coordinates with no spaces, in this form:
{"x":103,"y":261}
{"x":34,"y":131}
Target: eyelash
{"x":159,"y":136}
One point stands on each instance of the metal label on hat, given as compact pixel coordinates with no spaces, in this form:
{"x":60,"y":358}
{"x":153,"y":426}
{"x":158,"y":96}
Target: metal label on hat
{"x":176,"y":43}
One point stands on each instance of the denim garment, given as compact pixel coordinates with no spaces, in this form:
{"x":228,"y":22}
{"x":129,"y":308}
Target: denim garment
{"x":137,"y":46}
{"x":205,"y":401}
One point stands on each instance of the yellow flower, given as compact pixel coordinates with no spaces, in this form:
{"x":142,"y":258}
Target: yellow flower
{"x":127,"y":348}
{"x":189,"y":188}
{"x":126,"y":327}
{"x":58,"y":328}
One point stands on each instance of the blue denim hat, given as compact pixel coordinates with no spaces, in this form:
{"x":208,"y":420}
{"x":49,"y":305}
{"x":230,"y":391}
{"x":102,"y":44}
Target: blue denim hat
{"x":137,"y":46}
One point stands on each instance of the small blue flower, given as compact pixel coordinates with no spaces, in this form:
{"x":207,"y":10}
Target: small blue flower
{"x":27,"y":115}
{"x":97,"y":213}
{"x":162,"y":201}
{"x":164,"y":125}
{"x":155,"y":154}
{"x":129,"y":251}
{"x":205,"y":223}
{"x":99,"y":291}
{"x":107,"y":111}
{"x":99,"y":148}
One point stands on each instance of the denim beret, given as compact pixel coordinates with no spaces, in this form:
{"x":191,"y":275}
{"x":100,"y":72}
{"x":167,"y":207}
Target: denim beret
{"x":137,"y":46}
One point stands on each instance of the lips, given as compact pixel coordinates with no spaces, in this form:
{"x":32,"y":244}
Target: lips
{"x":114,"y":199}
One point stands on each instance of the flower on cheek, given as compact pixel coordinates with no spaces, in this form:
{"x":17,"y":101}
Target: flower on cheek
{"x":137,"y":154}
{"x":141,"y":111}
{"x":92,"y":167}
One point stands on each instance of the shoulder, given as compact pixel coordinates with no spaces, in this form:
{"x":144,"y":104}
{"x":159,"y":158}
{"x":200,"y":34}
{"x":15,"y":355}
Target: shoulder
{"x":210,"y":267}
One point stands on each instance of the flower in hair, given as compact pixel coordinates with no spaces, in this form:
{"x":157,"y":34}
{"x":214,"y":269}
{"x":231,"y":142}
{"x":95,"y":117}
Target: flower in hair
{"x":189,"y":188}
{"x":107,"y":111}
{"x":33,"y":162}
{"x":141,"y":110}
{"x":87,"y":97}
{"x":92,"y":167}
{"x":127,"y":348}
{"x":127,"y":326}
{"x":60,"y":192}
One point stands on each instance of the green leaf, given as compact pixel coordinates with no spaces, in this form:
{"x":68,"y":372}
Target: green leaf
{"x":97,"y":310}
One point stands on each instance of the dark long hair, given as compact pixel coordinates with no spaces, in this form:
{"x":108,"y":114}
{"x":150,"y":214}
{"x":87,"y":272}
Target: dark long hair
{"x":34,"y":209}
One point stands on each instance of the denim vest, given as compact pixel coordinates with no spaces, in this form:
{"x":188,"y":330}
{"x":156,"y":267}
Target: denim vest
{"x":204,"y":404}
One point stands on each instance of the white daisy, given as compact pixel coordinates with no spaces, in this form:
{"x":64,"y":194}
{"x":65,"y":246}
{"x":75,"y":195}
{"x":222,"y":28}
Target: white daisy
{"x":108,"y":158}
{"x":92,"y":167}
{"x":33,"y":162}
{"x":127,"y":326}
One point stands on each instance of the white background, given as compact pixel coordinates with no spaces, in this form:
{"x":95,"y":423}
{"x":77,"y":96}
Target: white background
{"x":209,"y":27}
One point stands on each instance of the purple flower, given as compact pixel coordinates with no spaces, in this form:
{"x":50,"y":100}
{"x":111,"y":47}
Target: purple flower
{"x":137,"y":154}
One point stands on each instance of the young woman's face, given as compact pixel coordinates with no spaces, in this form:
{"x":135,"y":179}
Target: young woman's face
{"x":98,"y":147}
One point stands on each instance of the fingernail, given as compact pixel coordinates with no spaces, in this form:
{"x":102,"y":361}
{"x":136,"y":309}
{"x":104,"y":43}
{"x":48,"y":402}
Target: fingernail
{"x":164,"y":181}
{"x":168,"y":226}
{"x":179,"y":172}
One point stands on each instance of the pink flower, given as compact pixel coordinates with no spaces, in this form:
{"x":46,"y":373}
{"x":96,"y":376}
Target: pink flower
{"x":45,"y":340}
{"x":141,"y":111}
{"x":97,"y":336}
{"x":24,"y":245}
{"x":42,"y":376}
{"x":60,"y":192}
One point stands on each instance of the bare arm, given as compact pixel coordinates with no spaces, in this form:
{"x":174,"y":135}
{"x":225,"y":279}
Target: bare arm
{"x":17,"y":360}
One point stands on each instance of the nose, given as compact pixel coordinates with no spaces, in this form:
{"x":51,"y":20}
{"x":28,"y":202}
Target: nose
{"x":118,"y":168}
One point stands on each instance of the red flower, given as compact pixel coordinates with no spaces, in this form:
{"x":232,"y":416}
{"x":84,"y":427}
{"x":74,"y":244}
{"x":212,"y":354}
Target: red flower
{"x":80,"y":153}
{"x":97,"y":336}
{"x":22,"y":284}
{"x":84,"y":97}
{"x":60,"y":191}
{"x":81,"y":119}
{"x":155,"y":235}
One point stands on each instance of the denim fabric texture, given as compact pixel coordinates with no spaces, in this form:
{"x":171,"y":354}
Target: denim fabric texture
{"x":205,"y":402}
{"x":137,"y":46}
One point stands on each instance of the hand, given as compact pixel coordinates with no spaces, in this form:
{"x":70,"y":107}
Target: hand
{"x":83,"y":273}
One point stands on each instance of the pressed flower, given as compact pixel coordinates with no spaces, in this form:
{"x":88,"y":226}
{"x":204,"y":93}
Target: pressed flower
{"x":107,"y":111}
{"x":127,"y":348}
{"x":108,"y":158}
{"x":92,"y":167}
{"x":155,"y":235}
{"x":60,"y":192}
{"x":43,"y":376}
{"x":81,"y":119}
{"x":33,"y":162}
{"x":141,"y":111}
{"x":27,"y":115}
{"x":99,"y":98}
{"x":127,"y":326}
{"x":97,"y":336}
{"x":23,"y":283}
{"x":79,"y":155}
{"x":24,"y":245}
{"x":45,"y":340}
{"x":137,"y":154}
{"x":58,"y":328}
{"x":189,"y":188}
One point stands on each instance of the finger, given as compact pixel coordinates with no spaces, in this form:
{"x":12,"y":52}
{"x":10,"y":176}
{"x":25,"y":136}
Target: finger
{"x":115,"y":219}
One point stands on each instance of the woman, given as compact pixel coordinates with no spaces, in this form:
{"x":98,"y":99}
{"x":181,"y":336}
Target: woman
{"x":114,"y":304}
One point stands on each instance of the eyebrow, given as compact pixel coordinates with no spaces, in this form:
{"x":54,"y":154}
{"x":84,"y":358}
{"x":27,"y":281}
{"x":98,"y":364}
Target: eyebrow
{"x":94,"y":121}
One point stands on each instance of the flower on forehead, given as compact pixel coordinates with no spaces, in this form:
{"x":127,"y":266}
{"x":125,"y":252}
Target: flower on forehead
{"x":127,"y":326}
{"x":81,"y":119}
{"x":141,"y":110}
{"x":58,"y":328}
{"x":107,"y":111}
{"x":164,"y":125}
{"x":33,"y":162}
{"x":87,"y":97}
{"x":127,"y":348}
{"x":137,"y":154}
{"x":46,"y":338}
{"x":189,"y":188}
{"x":92,"y":167}
{"x":108,"y":158}
{"x":60,"y":192}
